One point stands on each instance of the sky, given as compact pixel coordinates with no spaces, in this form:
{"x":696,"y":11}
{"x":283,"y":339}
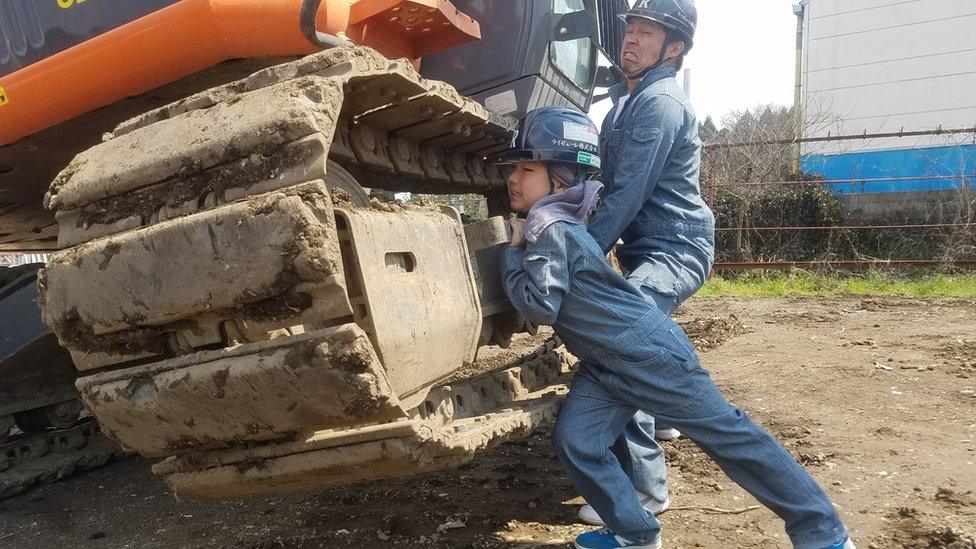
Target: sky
{"x":744,"y":56}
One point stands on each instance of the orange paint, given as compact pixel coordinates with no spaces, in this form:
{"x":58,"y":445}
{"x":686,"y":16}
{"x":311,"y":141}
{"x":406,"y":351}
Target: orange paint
{"x":419,"y":26}
{"x":173,"y":43}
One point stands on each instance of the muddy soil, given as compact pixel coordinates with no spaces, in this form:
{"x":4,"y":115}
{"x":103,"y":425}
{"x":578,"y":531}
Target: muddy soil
{"x":876,"y":397}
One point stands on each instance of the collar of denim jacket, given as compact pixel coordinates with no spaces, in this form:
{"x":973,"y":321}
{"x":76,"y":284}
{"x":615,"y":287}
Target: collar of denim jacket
{"x":619,"y":89}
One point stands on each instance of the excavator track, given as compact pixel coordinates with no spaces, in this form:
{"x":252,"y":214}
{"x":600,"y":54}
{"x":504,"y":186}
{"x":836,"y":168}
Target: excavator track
{"x":42,"y":434}
{"x":27,"y":460}
{"x":452,"y":423}
{"x":240,"y":309}
{"x":377,"y":118}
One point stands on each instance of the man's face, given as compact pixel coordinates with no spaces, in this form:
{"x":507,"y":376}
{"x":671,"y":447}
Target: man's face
{"x":642,"y":46}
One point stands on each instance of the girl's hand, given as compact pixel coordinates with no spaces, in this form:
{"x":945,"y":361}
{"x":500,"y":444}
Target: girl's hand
{"x":518,"y":231}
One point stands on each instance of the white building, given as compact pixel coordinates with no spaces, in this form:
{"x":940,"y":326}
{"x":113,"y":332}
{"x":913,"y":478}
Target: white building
{"x":879,"y":66}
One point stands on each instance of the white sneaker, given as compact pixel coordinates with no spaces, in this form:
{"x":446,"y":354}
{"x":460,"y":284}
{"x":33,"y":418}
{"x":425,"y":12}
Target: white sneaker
{"x":589,"y":515}
{"x":667,"y":434}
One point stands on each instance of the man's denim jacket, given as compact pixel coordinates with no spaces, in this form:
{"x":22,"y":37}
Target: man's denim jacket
{"x":652,"y":200}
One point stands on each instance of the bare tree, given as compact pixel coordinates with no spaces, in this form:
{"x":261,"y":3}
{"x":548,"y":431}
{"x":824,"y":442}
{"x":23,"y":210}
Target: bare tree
{"x":756,"y":146}
{"x":751,"y":178}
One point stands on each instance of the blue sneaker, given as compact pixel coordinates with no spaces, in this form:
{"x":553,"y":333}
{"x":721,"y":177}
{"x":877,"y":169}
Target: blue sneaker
{"x":605,"y":539}
{"x":846,"y":544}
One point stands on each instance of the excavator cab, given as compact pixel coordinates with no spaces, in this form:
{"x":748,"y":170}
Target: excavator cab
{"x":532,"y":54}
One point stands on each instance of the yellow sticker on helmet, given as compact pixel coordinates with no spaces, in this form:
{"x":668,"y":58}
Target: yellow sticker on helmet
{"x":3,"y":97}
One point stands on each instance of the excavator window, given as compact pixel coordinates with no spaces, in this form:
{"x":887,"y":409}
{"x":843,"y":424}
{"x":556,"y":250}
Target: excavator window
{"x":519,"y":63}
{"x":573,"y":58}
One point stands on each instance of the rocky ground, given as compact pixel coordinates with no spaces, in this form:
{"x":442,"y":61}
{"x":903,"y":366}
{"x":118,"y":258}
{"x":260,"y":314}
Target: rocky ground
{"x":877,"y":397}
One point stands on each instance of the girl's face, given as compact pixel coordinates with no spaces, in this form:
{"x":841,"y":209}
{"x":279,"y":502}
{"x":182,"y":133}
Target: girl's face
{"x":528,"y":184}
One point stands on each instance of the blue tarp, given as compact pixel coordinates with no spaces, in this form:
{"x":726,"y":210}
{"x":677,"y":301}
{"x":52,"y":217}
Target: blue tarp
{"x":904,"y":164}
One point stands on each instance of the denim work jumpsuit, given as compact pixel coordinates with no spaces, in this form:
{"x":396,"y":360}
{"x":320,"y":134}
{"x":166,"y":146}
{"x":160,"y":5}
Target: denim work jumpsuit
{"x":652,"y":201}
{"x":635,"y":358}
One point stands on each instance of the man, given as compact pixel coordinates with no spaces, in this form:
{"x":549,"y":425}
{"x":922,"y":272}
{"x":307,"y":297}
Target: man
{"x":652,"y":201}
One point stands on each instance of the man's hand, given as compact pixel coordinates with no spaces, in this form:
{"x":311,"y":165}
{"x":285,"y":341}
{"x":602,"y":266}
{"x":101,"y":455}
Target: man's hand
{"x":518,"y":231}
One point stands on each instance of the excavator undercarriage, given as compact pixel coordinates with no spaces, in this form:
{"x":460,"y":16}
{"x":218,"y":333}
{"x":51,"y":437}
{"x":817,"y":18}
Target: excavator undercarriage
{"x":44,"y":434}
{"x":241,"y":308}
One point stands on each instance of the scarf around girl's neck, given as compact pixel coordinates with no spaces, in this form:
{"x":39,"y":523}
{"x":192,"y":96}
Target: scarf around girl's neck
{"x":574,"y":204}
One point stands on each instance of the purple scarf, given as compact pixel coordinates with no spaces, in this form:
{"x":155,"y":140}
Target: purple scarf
{"x":574,"y":204}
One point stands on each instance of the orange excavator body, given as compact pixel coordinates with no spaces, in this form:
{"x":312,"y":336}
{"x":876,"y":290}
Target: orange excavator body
{"x":192,"y":35}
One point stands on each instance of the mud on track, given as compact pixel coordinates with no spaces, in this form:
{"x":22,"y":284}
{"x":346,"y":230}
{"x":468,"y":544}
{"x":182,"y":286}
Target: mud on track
{"x":877,"y":397}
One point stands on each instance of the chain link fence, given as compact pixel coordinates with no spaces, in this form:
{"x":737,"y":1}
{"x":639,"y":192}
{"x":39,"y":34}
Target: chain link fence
{"x":771,"y":214}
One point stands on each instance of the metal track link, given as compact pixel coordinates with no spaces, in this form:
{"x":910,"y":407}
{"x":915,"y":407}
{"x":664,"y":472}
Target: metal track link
{"x":378,"y":118}
{"x":453,"y":423}
{"x":33,"y":459}
{"x":539,"y":370}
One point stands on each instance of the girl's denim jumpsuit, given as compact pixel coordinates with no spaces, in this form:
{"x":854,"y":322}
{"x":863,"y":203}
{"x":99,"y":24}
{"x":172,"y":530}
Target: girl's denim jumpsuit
{"x":635,"y":358}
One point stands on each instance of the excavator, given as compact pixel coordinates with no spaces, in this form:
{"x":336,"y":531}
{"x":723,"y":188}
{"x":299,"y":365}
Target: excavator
{"x":230,"y":292}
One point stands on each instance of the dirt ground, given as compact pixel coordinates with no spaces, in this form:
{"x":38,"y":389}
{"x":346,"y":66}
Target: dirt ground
{"x":877,"y":397}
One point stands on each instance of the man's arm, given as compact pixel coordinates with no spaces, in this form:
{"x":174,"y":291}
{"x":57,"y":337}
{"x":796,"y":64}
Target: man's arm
{"x":641,"y":159}
{"x":536,"y":278}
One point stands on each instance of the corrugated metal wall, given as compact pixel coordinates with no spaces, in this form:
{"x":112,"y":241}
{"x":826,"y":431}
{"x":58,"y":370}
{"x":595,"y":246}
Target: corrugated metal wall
{"x":12,"y":260}
{"x":884,"y":66}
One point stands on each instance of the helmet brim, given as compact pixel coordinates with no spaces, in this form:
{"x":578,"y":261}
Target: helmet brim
{"x":508,"y":158}
{"x":586,"y":161}
{"x":626,"y":17}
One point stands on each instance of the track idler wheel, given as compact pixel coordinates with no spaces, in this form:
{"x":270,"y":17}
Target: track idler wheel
{"x":336,"y":177}
{"x":56,"y":416}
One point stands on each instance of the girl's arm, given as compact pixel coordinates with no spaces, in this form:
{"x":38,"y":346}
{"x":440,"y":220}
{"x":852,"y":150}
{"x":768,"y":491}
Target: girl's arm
{"x":536,"y":278}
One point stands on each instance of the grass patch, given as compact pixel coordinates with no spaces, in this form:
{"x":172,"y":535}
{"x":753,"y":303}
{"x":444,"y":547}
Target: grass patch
{"x":812,"y":284}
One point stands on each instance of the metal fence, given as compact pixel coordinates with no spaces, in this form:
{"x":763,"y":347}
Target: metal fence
{"x":840,"y":238}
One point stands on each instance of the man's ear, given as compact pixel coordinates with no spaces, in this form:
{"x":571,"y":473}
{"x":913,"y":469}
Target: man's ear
{"x":675,"y":50}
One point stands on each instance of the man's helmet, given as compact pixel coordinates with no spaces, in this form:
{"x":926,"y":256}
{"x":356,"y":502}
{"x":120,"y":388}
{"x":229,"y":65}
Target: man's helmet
{"x":678,"y":16}
{"x":556,"y":134}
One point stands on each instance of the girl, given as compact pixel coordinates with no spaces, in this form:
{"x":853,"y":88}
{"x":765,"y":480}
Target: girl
{"x":634,"y":357}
